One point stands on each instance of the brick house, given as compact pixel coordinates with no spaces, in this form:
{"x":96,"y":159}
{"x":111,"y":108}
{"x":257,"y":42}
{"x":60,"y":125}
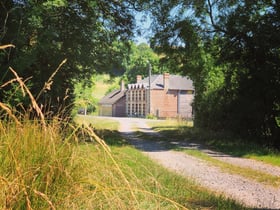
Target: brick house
{"x":169,"y":96}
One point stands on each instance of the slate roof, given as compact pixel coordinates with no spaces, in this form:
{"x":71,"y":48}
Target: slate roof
{"x":176,"y":82}
{"x":112,"y":97}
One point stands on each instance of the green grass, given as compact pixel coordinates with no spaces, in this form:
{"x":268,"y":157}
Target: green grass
{"x":101,"y":86}
{"x":146,"y":185}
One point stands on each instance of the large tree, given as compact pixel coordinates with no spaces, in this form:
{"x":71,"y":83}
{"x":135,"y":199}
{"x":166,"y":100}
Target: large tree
{"x":231,"y":50}
{"x":47,"y":32}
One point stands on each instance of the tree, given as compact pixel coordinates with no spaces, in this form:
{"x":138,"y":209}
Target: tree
{"x":46,"y":33}
{"x":231,"y":51}
{"x":137,"y":62}
{"x":253,"y":47}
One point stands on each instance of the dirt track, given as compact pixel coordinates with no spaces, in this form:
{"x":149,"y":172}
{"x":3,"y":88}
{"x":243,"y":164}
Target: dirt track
{"x":241,"y":189}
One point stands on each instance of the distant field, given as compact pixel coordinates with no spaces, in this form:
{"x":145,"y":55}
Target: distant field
{"x":101,"y":86}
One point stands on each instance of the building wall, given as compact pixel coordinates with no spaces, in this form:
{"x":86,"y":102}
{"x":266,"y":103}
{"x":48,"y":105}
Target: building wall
{"x":105,"y":110}
{"x":119,"y":108}
{"x":136,"y":102}
{"x":164,"y":103}
{"x":185,"y":100}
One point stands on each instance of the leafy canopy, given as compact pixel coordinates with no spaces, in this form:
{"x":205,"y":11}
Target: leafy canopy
{"x":231,"y":51}
{"x":47,"y":32}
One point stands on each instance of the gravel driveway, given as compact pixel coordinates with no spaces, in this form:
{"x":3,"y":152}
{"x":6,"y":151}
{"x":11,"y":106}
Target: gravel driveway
{"x":246,"y":191}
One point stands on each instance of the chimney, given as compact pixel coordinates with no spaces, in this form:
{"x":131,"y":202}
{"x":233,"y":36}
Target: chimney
{"x":138,"y":78}
{"x":122,"y":85}
{"x":166,"y":81}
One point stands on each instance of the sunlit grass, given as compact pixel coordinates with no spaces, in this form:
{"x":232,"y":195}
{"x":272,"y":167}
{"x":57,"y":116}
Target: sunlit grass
{"x":273,"y":158}
{"x":98,"y":123}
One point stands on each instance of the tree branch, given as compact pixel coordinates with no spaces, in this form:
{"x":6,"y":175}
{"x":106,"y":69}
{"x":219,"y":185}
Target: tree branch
{"x":210,"y":12}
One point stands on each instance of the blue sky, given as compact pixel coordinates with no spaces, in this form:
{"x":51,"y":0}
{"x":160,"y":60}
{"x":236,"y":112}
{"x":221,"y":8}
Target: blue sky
{"x":143,"y":23}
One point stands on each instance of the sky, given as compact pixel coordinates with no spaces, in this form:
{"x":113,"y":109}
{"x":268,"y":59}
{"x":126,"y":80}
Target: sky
{"x":143,"y":24}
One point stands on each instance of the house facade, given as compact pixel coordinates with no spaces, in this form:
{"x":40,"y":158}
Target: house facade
{"x":163,"y":96}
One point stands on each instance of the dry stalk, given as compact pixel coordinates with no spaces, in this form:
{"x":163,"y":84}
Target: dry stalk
{"x":9,"y":111}
{"x":48,"y":84}
{"x":9,"y":82}
{"x":33,"y":101}
{"x":45,"y":197}
{"x":6,"y":46}
{"x":108,"y":151}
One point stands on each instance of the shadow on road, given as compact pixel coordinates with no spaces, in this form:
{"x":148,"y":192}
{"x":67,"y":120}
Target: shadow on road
{"x":145,"y":145}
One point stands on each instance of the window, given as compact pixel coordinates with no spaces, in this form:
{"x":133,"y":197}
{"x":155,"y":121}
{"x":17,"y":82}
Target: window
{"x":128,"y":109}
{"x":132,"y":109}
{"x":128,"y":95}
{"x":132,"y":95}
{"x":139,"y":109}
{"x":185,"y":92}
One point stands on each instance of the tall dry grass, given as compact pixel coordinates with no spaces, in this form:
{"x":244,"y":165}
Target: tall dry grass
{"x":47,"y":165}
{"x":37,"y":170}
{"x":42,"y":165}
{"x":38,"y":167}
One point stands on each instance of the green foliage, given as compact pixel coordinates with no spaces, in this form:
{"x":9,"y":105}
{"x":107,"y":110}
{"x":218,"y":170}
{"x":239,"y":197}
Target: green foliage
{"x":232,"y":56}
{"x":47,"y":32}
{"x":137,"y":63}
{"x":88,"y":94}
{"x":84,"y":97}
{"x":150,"y":116}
